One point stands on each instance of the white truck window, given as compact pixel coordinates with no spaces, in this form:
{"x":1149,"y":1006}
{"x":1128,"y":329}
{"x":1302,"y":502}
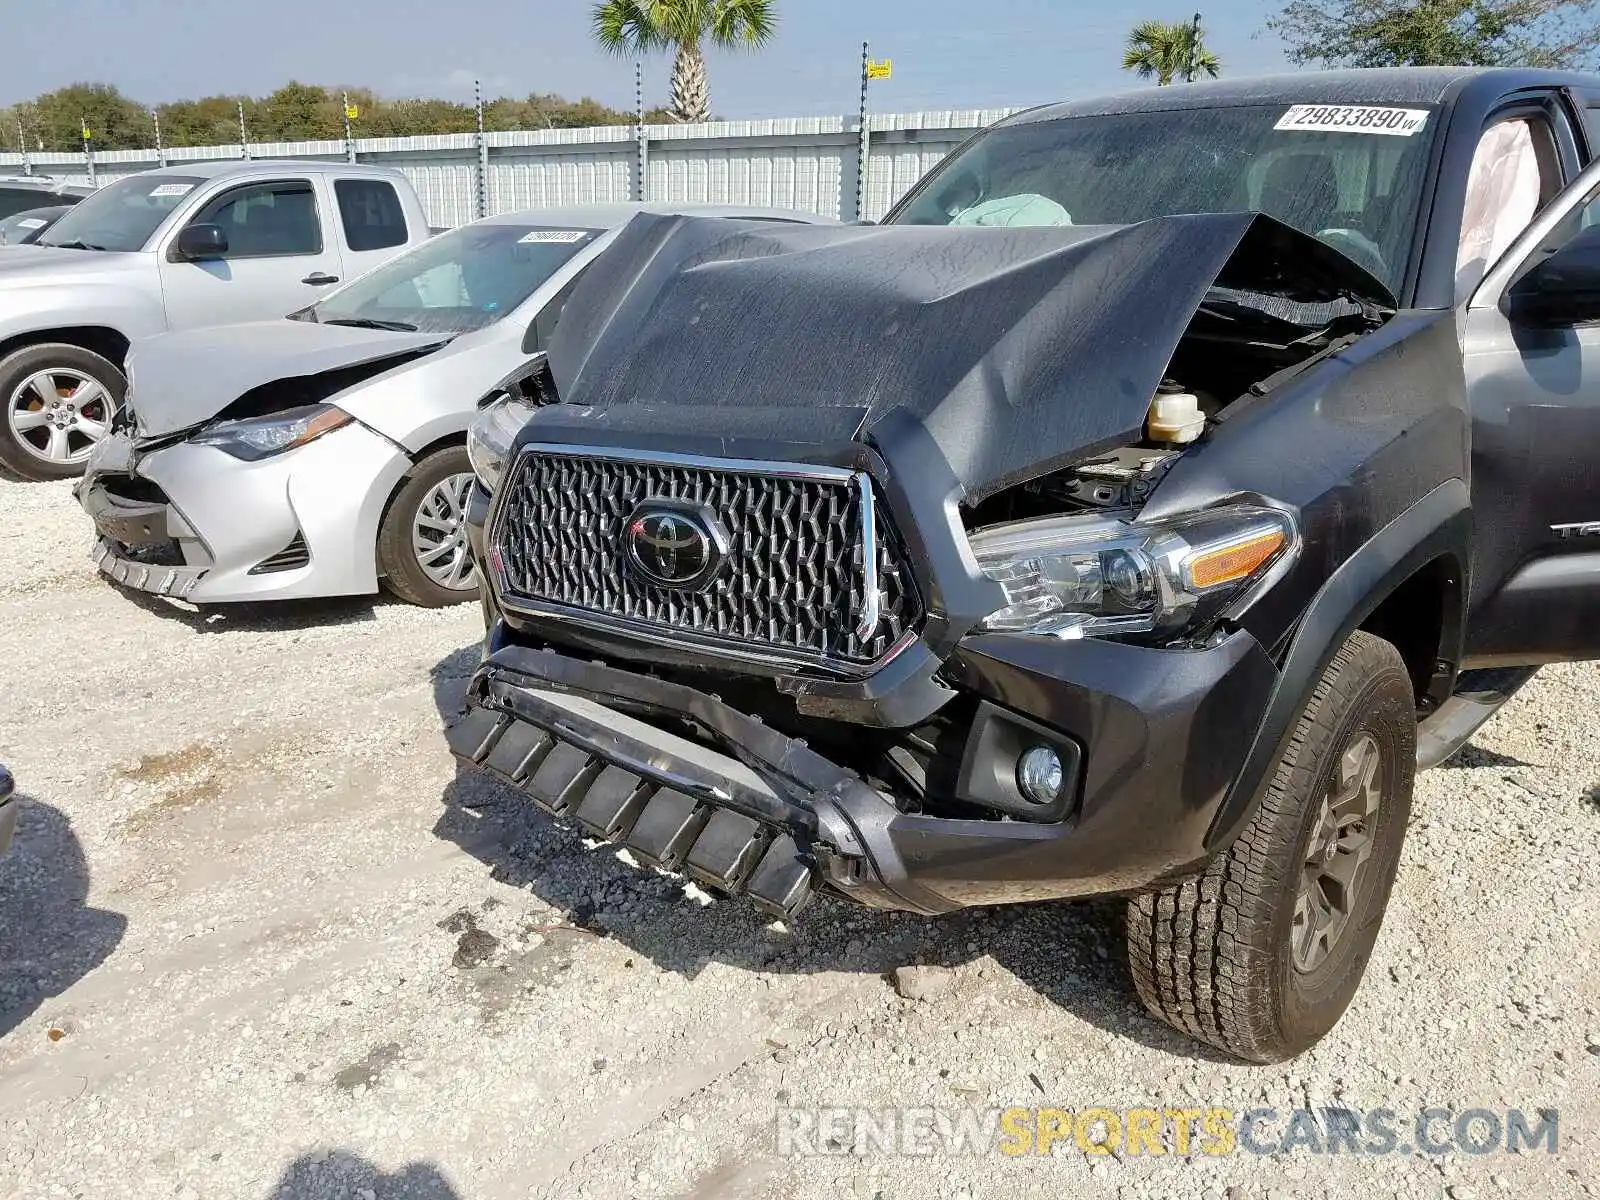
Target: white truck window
{"x":371,"y":213}
{"x":264,"y":220}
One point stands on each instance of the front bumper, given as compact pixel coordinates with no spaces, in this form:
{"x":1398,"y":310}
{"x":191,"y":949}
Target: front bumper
{"x":209,"y":528}
{"x":1164,"y":732}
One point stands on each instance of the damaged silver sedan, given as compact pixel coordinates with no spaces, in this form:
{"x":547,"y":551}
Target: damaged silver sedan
{"x":324,"y":454}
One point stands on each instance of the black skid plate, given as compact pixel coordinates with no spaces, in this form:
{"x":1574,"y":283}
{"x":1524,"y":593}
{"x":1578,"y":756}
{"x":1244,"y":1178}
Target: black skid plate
{"x":672,"y":803}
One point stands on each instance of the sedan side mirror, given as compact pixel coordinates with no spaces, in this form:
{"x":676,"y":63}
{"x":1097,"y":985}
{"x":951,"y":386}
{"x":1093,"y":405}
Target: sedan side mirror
{"x":197,"y":243}
{"x":1564,"y":289}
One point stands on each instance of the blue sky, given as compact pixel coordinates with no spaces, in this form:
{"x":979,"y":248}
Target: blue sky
{"x":947,"y":53}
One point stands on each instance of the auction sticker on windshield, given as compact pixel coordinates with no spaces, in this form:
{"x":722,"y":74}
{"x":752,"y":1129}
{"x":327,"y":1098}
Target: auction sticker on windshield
{"x":554,"y":235}
{"x":172,"y":189}
{"x":1354,"y":118}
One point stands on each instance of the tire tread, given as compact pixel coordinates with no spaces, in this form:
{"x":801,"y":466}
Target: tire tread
{"x":1198,"y":951}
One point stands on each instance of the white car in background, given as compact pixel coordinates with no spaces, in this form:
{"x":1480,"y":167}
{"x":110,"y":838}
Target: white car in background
{"x":325,"y":453}
{"x":178,"y":248}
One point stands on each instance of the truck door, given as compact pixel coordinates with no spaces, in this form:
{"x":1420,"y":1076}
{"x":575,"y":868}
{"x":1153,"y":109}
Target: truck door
{"x":1531,"y":341}
{"x":279,"y":257}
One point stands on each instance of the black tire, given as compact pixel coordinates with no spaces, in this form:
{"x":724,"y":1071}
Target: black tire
{"x":1217,"y":956}
{"x":21,"y":454}
{"x":398,"y":565}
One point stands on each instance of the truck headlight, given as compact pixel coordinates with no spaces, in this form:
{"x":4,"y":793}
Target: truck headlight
{"x":261,"y":437}
{"x":490,"y":436}
{"x":1089,"y":576}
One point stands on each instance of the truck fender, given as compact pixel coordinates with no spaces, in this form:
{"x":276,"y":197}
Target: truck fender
{"x":1437,"y":525}
{"x":34,"y":314}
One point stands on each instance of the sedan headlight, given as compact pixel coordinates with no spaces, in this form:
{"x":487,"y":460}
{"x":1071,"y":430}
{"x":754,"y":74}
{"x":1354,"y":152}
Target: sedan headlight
{"x":489,"y":437}
{"x":261,"y":437}
{"x":1089,"y":576}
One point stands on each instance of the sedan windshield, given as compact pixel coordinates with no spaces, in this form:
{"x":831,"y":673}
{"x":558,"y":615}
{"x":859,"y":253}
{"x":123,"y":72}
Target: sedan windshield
{"x":1348,"y":174}
{"x":121,"y":215}
{"x":458,"y":281}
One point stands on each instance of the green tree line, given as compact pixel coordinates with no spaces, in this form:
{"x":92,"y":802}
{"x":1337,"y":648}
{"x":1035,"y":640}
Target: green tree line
{"x":296,"y":112}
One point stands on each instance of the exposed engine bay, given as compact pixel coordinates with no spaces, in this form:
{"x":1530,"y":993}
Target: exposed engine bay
{"x":1231,"y":353}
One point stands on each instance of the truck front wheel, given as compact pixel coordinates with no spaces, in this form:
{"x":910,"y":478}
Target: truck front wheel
{"x":59,"y":400}
{"x":1261,"y":954}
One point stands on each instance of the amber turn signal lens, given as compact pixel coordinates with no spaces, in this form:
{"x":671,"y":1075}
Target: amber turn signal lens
{"x":1240,"y":560}
{"x":324,"y":422}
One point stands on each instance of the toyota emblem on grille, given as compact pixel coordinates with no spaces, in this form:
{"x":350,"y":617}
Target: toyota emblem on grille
{"x":673,"y":546}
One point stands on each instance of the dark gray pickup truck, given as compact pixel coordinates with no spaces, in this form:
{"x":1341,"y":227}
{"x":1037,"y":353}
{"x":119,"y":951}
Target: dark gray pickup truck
{"x":1132,"y":513}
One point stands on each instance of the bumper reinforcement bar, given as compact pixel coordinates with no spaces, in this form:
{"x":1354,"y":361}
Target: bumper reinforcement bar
{"x":669,"y":801}
{"x":762,"y":815}
{"x":173,"y":581}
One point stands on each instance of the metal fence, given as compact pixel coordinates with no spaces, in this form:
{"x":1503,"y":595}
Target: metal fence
{"x":806,"y":163}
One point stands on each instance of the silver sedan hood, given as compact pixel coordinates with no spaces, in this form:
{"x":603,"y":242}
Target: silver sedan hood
{"x":180,"y":380}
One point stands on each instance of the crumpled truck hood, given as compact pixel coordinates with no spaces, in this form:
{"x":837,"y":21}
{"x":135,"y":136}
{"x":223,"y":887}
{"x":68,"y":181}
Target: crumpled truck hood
{"x":1020,"y":350}
{"x":180,"y":380}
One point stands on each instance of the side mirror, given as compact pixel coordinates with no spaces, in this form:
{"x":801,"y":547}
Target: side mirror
{"x":1563,"y":290}
{"x":197,"y":243}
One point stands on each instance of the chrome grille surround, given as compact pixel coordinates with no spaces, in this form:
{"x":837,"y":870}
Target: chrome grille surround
{"x":792,"y":592}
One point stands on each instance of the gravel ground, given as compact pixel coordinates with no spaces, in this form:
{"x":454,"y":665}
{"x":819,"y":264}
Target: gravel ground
{"x":258,"y":940}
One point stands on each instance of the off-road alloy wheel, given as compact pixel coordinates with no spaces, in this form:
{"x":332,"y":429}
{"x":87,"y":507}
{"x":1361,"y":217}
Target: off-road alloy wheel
{"x":59,"y":400}
{"x":1261,"y":954}
{"x":423,"y":554}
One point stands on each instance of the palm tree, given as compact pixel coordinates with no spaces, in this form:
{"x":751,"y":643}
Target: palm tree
{"x":1160,"y":50}
{"x":684,"y":26}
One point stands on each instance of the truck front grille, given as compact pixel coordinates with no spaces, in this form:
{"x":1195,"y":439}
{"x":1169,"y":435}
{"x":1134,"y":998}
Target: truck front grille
{"x":795,"y":571}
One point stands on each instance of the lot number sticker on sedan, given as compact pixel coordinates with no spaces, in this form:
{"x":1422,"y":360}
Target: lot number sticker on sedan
{"x":554,"y":235}
{"x":1354,"y":118}
{"x":172,"y":189}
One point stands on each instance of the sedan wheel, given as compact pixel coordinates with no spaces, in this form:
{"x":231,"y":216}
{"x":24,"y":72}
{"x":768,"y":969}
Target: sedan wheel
{"x":439,"y":535}
{"x":423,"y":554}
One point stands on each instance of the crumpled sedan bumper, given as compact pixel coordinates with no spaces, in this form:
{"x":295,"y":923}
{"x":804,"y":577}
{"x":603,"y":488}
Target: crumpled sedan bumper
{"x":763,"y":814}
{"x":191,"y":522}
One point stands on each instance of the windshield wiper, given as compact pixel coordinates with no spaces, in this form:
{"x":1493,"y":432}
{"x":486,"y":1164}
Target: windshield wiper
{"x":73,"y":245}
{"x":371,"y":323}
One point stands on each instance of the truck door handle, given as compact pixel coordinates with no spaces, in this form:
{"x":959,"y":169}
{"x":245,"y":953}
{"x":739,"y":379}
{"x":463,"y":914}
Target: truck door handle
{"x":320,"y":279}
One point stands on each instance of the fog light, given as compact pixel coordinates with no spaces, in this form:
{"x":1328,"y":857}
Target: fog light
{"x":1039,"y":775}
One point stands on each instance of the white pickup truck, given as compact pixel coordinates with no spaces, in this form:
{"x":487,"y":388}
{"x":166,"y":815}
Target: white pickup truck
{"x":188,"y":245}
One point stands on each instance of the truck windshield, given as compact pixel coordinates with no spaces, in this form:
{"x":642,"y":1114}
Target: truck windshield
{"x":1348,"y":174}
{"x":456,"y":282}
{"x":121,"y":215}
